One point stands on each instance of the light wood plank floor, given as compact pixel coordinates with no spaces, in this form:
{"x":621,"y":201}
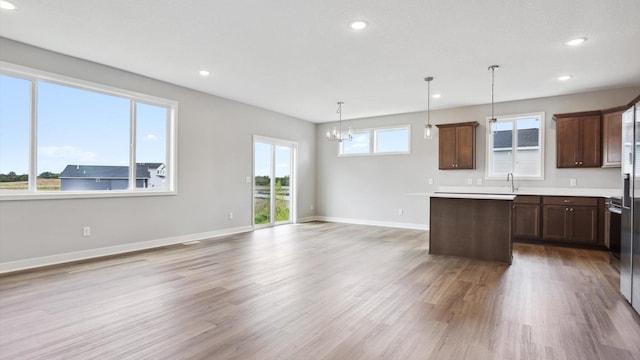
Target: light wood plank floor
{"x":320,"y":291}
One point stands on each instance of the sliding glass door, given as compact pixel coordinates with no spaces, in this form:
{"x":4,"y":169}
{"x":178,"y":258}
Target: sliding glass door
{"x":273,"y":182}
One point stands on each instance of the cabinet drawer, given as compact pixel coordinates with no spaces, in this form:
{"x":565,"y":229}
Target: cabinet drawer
{"x":570,"y":200}
{"x":527,"y":199}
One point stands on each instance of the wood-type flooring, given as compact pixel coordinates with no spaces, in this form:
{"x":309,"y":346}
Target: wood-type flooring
{"x":320,"y":291}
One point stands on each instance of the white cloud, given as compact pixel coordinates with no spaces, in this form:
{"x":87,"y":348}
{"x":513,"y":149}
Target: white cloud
{"x":152,"y":137}
{"x":67,"y":153}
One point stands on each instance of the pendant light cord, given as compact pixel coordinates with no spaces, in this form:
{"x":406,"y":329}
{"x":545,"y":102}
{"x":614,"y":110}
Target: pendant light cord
{"x":339,"y":111}
{"x":493,"y":75}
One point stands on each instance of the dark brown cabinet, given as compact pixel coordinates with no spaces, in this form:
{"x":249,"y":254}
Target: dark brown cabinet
{"x":457,"y":143}
{"x":578,"y":140}
{"x":612,"y":139}
{"x":570,"y":219}
{"x":526,"y":217}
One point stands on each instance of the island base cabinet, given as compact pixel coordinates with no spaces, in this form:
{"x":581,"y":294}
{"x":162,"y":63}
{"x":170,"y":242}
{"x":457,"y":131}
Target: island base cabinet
{"x":472,"y":228}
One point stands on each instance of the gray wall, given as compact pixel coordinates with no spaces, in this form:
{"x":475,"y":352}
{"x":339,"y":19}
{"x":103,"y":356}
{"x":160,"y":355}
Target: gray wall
{"x":374,"y":188}
{"x":214,"y":154}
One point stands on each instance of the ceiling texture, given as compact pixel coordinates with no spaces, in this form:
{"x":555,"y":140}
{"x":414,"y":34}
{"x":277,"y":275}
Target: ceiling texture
{"x":299,"y":57}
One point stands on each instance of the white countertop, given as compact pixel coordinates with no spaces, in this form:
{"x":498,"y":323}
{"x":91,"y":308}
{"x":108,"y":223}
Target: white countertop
{"x":473,"y":196}
{"x":478,"y":192}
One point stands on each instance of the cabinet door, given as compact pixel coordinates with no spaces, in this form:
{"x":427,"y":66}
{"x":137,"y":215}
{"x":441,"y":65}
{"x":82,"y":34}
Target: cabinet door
{"x":584,"y":224}
{"x":590,"y":141}
{"x":526,"y":221}
{"x":465,"y":143}
{"x":567,"y":142}
{"x":555,"y":222}
{"x":612,"y":140}
{"x":447,"y":148}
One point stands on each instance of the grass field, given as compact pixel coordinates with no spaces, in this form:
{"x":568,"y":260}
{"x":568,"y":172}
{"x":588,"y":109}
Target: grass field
{"x":43,"y":185}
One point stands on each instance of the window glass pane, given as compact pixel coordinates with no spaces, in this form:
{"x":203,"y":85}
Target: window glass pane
{"x":359,"y":144}
{"x":15,"y":117}
{"x":392,"y":140}
{"x":528,"y":132}
{"x":262,"y":182}
{"x":151,"y":146}
{"x":283,"y":175}
{"x":527,"y":162}
{"x":502,"y":162}
{"x":502,"y":134}
{"x":83,"y":136}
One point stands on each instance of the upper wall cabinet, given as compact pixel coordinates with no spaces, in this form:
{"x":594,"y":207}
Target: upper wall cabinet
{"x":578,"y":140}
{"x":612,"y":138}
{"x":457,"y":144}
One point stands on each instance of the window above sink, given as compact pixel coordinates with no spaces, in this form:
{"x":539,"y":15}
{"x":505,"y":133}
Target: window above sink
{"x":515,"y":144}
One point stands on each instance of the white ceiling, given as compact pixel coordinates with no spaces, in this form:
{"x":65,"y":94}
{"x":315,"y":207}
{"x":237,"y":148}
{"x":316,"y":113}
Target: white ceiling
{"x":299,"y":57}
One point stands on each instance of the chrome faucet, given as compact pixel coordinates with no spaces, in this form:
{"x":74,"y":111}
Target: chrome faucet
{"x":513,"y":186}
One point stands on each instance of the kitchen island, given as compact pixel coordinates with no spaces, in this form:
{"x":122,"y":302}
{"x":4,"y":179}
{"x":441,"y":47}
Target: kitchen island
{"x":475,"y":226}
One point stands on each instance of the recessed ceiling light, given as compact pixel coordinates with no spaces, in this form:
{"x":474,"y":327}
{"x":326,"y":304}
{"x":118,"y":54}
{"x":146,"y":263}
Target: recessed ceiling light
{"x":564,"y":77}
{"x":436,"y":96}
{"x":358,"y":25}
{"x":204,"y":73}
{"x":576,"y":41}
{"x":6,"y":5}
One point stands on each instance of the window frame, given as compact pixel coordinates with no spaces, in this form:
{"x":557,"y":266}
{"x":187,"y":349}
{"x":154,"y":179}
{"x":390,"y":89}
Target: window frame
{"x":541,"y":145}
{"x":35,"y":75}
{"x":373,"y":141}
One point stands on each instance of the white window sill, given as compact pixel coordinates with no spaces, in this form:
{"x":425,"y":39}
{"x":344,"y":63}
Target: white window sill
{"x":23,"y":195}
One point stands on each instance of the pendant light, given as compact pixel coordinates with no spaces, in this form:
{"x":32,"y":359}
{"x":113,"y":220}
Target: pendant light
{"x":336,"y":134}
{"x":493,"y":119}
{"x":428,"y":129}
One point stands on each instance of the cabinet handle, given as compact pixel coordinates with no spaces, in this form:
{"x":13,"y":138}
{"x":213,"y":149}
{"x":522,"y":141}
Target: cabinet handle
{"x":571,"y":209}
{"x":580,"y":162}
{"x":566,"y":201}
{"x":575,"y":163}
{"x":566,"y":209}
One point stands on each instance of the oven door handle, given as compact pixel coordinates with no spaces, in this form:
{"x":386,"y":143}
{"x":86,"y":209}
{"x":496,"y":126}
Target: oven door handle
{"x":615,"y":210}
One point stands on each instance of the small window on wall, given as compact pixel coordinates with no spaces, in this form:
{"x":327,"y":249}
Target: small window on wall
{"x":359,"y":145}
{"x":377,"y":141}
{"x":515,"y":145}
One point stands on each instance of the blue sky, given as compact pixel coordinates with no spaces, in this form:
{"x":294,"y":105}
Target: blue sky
{"x":263,"y":160}
{"x":75,"y":127}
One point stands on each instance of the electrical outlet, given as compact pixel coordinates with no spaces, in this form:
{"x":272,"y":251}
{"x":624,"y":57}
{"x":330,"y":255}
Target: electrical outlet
{"x":248,"y":179}
{"x":400,"y":212}
{"x":479,"y":181}
{"x":469,"y":181}
{"x":230,"y":216}
{"x":430,"y":181}
{"x":573,"y":182}
{"x":86,"y":231}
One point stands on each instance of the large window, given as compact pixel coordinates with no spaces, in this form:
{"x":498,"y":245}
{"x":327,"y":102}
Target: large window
{"x":515,"y":145}
{"x":63,"y":137}
{"x":393,"y":140}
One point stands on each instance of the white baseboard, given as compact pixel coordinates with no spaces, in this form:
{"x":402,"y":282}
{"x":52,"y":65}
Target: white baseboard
{"x":113,"y":250}
{"x":307,"y":219}
{"x":373,"y":223}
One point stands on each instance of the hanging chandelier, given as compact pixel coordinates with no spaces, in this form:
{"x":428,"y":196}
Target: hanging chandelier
{"x":428,"y":129}
{"x":336,"y":133}
{"x":493,"y":119}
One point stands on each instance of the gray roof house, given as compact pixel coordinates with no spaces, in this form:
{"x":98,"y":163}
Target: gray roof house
{"x":526,"y":137}
{"x":106,"y":177}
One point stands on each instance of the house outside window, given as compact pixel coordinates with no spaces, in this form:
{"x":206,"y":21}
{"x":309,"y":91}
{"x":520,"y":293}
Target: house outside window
{"x":515,"y":145}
